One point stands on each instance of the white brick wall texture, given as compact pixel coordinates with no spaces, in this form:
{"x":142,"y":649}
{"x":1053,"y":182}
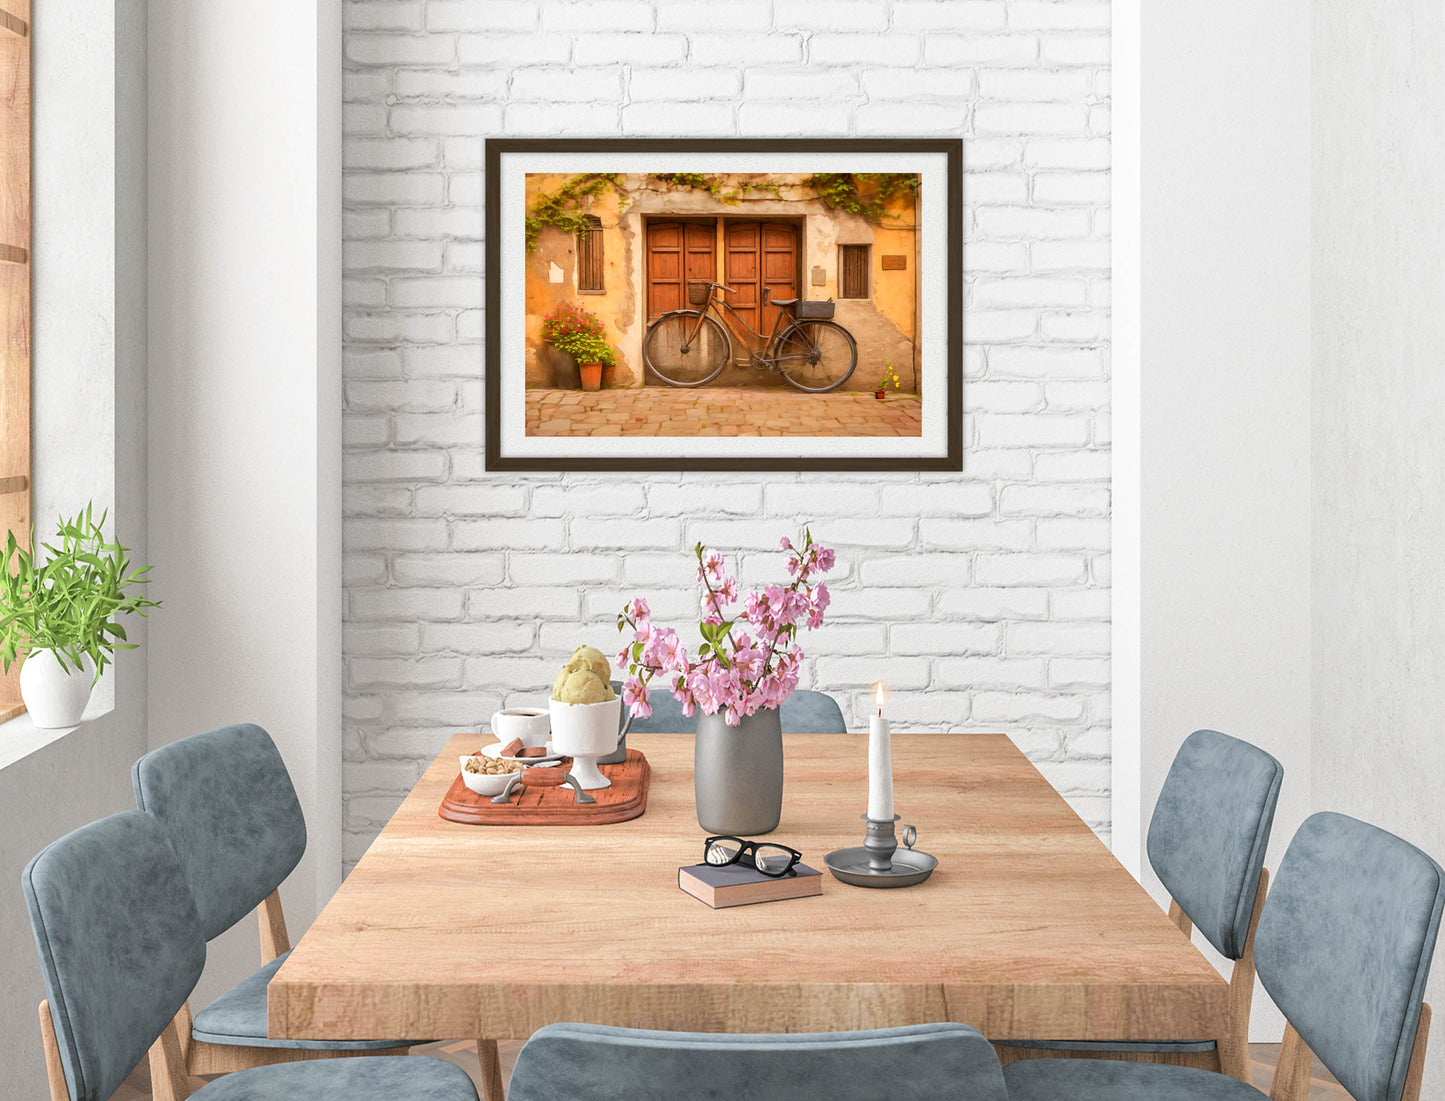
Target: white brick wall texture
{"x":982,"y":597}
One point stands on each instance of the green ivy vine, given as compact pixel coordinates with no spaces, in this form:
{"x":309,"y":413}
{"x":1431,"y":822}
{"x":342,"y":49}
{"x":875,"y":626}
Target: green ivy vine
{"x":863,"y":193}
{"x":700,"y":182}
{"x":563,"y":208}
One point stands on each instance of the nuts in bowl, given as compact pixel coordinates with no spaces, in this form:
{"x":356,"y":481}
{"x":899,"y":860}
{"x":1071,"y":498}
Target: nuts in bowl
{"x":489,"y":775}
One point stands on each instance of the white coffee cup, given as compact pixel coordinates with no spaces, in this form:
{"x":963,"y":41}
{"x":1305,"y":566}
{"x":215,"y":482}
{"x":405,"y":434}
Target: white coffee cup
{"x":531,"y":724}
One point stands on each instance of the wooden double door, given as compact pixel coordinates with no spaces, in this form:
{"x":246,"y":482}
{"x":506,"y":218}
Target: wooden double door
{"x":756,"y":256}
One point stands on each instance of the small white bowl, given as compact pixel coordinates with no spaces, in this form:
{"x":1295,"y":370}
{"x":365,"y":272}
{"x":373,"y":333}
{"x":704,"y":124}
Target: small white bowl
{"x":483,"y":783}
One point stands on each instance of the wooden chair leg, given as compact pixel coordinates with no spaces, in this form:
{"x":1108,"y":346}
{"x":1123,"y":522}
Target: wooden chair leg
{"x":275,"y":941}
{"x":1292,"y":1073}
{"x":491,"y":1071}
{"x":1234,"y":1052}
{"x":1180,"y":918}
{"x":169,"y":1080}
{"x":54,"y":1069}
{"x":1416,"y":1070}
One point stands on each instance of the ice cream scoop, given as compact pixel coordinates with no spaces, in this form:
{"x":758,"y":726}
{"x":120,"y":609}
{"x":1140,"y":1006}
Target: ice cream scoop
{"x":591,"y":658}
{"x":583,"y":686}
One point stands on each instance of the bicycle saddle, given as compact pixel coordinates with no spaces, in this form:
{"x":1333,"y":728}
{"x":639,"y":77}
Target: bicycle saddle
{"x":783,"y":302}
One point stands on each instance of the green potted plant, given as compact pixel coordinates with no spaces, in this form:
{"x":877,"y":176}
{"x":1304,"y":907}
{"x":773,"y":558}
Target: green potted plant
{"x":573,"y":330}
{"x":62,"y":615}
{"x":890,"y":378}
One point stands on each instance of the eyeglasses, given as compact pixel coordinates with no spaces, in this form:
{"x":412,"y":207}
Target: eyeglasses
{"x":772,"y":860}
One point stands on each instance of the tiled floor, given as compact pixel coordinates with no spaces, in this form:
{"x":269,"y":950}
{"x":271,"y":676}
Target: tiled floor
{"x":720,"y":411}
{"x":1323,"y":1087}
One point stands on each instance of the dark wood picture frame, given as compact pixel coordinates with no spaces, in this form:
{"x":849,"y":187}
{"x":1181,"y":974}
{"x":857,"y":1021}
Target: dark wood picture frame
{"x":951,"y":149}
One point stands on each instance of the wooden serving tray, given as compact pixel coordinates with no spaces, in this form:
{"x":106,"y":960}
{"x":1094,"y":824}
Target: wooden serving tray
{"x":626,"y":798}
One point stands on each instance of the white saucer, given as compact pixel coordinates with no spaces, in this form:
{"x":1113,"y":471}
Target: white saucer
{"x":551,"y":759}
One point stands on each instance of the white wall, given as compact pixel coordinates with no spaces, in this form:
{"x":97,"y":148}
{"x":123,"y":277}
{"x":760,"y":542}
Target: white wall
{"x":244,"y":402}
{"x":1226,"y":392}
{"x":89,"y":434}
{"x":1379,"y":450}
{"x":981,"y":597}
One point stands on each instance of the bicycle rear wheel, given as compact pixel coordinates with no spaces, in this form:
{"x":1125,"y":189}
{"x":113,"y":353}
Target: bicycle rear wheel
{"x":816,"y":356}
{"x":686,"y":348}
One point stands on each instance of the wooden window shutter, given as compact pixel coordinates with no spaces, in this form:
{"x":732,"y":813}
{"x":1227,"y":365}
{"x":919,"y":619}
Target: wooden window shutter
{"x":14,"y":293}
{"x":589,"y":256}
{"x":853,"y":271}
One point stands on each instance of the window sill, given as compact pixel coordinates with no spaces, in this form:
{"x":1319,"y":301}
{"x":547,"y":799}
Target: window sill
{"x":20,"y":737}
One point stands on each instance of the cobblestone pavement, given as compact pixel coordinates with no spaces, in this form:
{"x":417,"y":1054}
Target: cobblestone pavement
{"x":720,"y":411}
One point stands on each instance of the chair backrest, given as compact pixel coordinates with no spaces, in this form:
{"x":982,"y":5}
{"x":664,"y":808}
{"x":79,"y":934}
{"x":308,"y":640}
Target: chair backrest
{"x":666,"y":717}
{"x":804,"y":712}
{"x":809,"y":712}
{"x":937,"y":1062}
{"x":1209,"y":832}
{"x":227,"y":802}
{"x":1344,"y":948}
{"x":120,"y":945}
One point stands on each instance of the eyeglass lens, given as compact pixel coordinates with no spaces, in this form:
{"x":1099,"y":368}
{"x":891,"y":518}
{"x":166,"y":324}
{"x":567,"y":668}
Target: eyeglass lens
{"x":766,"y":858}
{"x":770,"y":858}
{"x":722,"y":851}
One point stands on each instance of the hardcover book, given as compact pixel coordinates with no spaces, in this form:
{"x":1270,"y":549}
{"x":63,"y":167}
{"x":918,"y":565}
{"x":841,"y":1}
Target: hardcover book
{"x":735,"y":885}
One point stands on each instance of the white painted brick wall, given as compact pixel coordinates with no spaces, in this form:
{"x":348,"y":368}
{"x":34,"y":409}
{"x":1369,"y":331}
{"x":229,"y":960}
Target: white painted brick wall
{"x":982,"y":597}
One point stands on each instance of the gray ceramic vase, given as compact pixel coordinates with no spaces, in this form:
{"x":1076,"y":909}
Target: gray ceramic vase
{"x":738,"y":774}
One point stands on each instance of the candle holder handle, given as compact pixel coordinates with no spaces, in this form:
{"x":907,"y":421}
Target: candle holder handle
{"x":881,"y":842}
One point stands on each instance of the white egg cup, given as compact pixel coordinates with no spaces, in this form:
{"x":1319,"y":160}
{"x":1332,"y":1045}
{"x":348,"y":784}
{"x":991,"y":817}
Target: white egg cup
{"x":584,"y":732}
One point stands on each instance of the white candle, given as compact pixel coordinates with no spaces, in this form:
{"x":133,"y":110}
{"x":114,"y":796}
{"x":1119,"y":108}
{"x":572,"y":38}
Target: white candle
{"x":880,"y":762}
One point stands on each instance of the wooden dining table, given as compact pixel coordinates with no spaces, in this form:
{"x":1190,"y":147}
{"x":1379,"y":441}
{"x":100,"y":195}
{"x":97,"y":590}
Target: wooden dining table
{"x":1028,"y":929}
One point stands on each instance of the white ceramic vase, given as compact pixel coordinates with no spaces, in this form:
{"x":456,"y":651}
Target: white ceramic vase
{"x":55,"y":697}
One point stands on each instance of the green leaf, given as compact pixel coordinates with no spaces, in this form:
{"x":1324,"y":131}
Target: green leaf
{"x":69,"y":602}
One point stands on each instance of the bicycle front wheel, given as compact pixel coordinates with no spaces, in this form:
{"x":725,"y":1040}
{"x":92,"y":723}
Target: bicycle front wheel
{"x":816,"y":356}
{"x":686,"y":348}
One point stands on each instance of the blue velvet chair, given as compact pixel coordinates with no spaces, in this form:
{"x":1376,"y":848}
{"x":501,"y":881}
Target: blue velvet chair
{"x":1206,"y":842}
{"x":938,"y":1062}
{"x":1344,"y":949}
{"x":121,"y":946}
{"x":804,"y":712}
{"x":228,"y":805}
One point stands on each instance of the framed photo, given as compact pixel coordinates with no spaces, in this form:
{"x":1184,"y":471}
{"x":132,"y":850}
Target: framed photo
{"x":725,"y":304}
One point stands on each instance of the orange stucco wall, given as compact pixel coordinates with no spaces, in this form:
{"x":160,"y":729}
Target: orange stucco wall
{"x":885,"y":325}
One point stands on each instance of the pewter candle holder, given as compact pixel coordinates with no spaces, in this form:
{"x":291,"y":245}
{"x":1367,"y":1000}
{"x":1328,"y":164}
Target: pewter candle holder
{"x":877,"y":862}
{"x":881,"y":841}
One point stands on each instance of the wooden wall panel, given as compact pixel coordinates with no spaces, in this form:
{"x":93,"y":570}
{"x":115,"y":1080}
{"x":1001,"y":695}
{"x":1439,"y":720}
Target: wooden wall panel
{"x":14,"y":290}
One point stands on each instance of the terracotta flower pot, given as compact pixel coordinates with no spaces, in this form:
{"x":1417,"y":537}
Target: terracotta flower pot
{"x":591,"y":375}
{"x":879,"y":394}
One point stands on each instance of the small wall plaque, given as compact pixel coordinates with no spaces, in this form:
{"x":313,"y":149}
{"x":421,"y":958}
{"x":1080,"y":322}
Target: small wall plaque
{"x":820,"y":277}
{"x":895,"y":263}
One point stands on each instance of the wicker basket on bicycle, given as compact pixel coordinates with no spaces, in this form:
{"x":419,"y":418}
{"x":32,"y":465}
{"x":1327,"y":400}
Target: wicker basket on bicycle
{"x":820,"y":310}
